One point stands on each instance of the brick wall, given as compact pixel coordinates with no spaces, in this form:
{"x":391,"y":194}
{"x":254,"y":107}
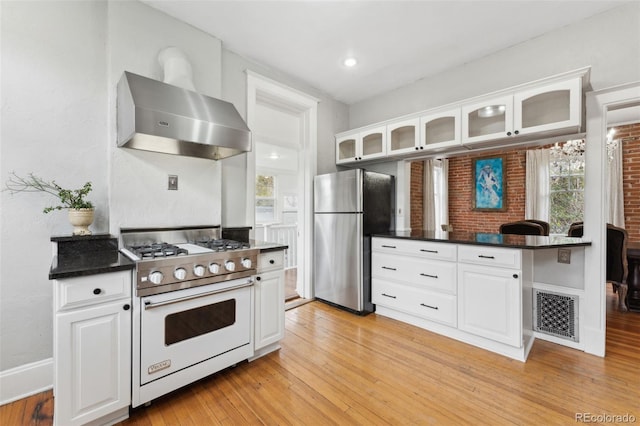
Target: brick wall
{"x":631,"y":178}
{"x":463,"y":218}
{"x":416,"y":200}
{"x":461,"y":186}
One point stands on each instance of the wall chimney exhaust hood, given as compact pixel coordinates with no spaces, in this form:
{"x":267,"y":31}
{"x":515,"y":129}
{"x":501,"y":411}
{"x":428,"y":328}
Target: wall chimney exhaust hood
{"x":159,"y":117}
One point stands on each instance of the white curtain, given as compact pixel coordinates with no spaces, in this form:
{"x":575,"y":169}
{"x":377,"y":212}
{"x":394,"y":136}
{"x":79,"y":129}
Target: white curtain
{"x":435,"y":194}
{"x":444,"y":192}
{"x":615,"y":189}
{"x":428,"y":198}
{"x":537,"y":185}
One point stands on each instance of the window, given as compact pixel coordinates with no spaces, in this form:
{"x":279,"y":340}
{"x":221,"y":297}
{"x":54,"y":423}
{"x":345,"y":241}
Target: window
{"x":266,"y":211}
{"x":566,"y":204}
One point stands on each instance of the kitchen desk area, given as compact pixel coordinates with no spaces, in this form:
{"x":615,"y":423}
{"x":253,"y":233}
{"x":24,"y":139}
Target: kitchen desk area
{"x":481,"y":288}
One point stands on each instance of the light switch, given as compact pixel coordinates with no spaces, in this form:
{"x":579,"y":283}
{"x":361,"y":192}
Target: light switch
{"x":564,"y":255}
{"x":173,"y":182}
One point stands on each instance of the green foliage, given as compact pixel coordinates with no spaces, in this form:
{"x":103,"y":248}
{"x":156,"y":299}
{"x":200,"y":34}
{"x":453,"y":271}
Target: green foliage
{"x":567,"y":195}
{"x":264,"y":186}
{"x":69,"y":198}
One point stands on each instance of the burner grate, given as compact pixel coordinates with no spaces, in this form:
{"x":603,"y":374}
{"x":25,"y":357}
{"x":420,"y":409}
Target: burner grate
{"x":222,"y":244}
{"x":152,"y":251}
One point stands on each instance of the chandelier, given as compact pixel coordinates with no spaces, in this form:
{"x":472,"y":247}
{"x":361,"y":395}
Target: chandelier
{"x":573,"y":150}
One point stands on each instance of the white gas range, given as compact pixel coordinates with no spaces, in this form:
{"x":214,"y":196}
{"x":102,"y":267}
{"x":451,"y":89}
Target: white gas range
{"x":192,"y":309}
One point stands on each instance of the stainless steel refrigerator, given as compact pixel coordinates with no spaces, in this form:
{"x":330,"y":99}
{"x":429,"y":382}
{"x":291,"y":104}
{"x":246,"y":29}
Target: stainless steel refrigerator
{"x":349,"y":206}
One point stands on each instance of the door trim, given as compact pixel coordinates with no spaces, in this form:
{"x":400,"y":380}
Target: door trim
{"x":261,"y":89}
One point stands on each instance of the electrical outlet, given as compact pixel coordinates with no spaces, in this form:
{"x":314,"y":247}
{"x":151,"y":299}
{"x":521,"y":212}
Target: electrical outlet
{"x":564,"y":255}
{"x":173,"y":182}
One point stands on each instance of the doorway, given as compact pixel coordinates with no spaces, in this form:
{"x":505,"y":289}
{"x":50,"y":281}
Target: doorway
{"x":280,"y":174}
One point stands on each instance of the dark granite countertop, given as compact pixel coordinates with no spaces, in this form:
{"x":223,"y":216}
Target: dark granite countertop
{"x":98,"y":262}
{"x":265,"y":246}
{"x":87,"y":255}
{"x":530,"y":242}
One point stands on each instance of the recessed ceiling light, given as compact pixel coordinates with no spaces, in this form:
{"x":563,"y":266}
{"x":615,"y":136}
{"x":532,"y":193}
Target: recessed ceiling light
{"x":350,"y":62}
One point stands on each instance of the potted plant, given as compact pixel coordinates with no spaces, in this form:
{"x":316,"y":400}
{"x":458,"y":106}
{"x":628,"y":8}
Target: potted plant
{"x":80,"y":210}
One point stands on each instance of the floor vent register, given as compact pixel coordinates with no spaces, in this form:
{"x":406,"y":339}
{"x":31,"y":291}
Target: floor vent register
{"x":555,"y":314}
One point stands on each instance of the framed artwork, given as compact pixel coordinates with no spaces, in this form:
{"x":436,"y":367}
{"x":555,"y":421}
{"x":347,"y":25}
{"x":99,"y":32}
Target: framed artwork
{"x":489,"y":184}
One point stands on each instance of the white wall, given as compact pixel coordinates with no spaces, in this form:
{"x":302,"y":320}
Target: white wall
{"x":60,"y":64}
{"x":332,"y":118}
{"x":138,"y":183}
{"x":54,"y":123}
{"x":609,"y":42}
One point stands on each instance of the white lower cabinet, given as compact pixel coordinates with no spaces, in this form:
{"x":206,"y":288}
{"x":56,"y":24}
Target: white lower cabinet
{"x":473,"y":293}
{"x":489,"y":303}
{"x":92,"y":350}
{"x":269,"y":303}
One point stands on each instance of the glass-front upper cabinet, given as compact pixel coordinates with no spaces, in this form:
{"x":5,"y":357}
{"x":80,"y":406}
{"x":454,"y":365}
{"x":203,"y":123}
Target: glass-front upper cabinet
{"x":487,"y":120}
{"x":403,"y":136}
{"x":440,"y":130}
{"x":548,"y":108}
{"x":364,"y":145}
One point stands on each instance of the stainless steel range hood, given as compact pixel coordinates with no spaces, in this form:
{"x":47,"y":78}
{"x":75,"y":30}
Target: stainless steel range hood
{"x":159,"y":117}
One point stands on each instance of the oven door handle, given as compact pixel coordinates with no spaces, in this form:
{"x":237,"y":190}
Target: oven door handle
{"x":150,"y":305}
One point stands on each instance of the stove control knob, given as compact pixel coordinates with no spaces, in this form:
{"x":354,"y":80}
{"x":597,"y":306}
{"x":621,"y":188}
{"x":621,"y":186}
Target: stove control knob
{"x":246,"y":262}
{"x":230,"y":265}
{"x":214,"y":268}
{"x":180,"y":273}
{"x":156,"y":277}
{"x":198,"y":270}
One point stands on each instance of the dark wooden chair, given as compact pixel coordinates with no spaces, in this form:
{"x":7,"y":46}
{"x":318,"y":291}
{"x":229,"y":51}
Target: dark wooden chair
{"x":522,"y":227}
{"x":545,"y":225}
{"x":617,"y":266}
{"x":576,"y":229}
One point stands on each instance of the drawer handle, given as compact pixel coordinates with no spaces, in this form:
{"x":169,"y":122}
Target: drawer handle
{"x":429,"y":251}
{"x":97,"y":291}
{"x":429,"y":306}
{"x":388,"y":246}
{"x":430,"y":276}
{"x":486,"y":257}
{"x":388,"y":295}
{"x":390,"y":269}
{"x":272,"y":261}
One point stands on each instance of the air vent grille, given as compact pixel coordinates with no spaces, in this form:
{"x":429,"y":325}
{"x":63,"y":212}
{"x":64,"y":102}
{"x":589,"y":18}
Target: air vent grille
{"x":556,"y":314}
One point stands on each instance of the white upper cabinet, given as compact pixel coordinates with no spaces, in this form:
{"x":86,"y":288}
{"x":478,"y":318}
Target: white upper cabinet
{"x":440,"y":131}
{"x":487,"y":120}
{"x":548,"y":108}
{"x":363,"y":145}
{"x":544,"y":108}
{"x":541,"y":110}
{"x":403,"y":136}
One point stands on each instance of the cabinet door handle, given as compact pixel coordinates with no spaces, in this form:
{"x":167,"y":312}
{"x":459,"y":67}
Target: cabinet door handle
{"x":97,"y":291}
{"x":429,"y":306}
{"x":126,"y":307}
{"x":388,"y":295}
{"x":258,"y":278}
{"x":486,"y":257}
{"x":388,"y":246}
{"x":390,"y":269}
{"x":427,"y":275}
{"x":508,"y":133}
{"x":515,"y":275}
{"x":272,"y":261}
{"x":429,"y":251}
{"x":517,"y":132}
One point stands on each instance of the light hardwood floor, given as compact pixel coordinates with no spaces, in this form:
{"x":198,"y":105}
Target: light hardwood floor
{"x":338,"y":368}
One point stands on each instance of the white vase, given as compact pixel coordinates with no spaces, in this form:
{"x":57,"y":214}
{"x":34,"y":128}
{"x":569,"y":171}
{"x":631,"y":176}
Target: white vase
{"x":81,"y":219}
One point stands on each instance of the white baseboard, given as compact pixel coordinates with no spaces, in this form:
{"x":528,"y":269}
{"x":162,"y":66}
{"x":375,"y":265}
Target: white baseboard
{"x":26,"y":380}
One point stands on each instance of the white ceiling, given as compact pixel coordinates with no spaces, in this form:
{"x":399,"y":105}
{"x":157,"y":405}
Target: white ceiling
{"x":395,"y":42}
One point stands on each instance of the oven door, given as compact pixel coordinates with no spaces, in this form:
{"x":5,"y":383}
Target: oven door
{"x":184,"y":327}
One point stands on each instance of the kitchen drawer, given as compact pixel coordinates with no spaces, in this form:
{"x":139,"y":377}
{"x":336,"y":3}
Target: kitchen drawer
{"x":436,"y":275}
{"x":490,"y":256}
{"x":421,"y":303}
{"x":270,"y":260}
{"x":423,"y":249}
{"x":90,"y":290}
